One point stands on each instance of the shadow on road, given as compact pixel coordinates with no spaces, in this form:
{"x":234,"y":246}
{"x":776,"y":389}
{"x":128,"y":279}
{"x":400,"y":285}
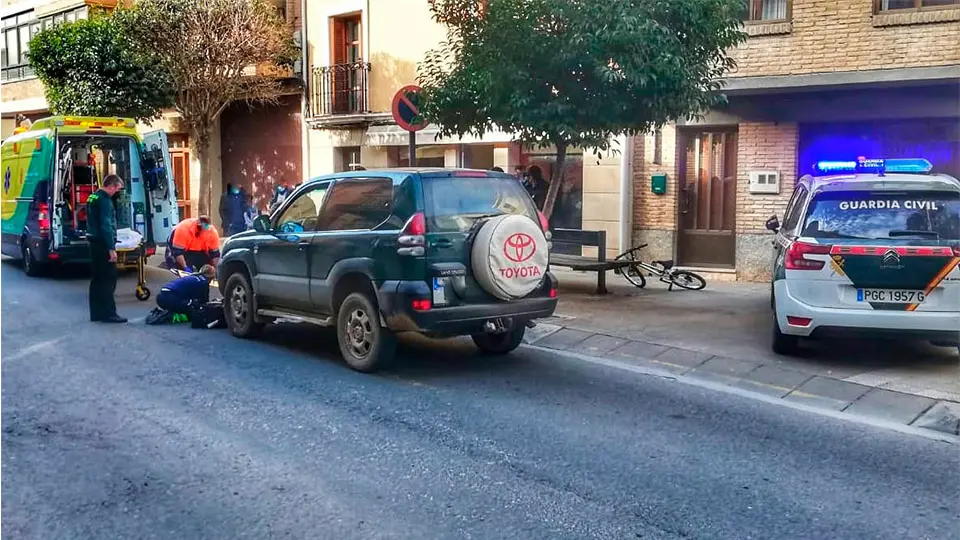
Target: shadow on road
{"x":417,"y":356}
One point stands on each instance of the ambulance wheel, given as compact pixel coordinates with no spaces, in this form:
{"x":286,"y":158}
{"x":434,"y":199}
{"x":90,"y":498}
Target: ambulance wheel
{"x":30,"y":265}
{"x":239,"y":307}
{"x":143,"y":294}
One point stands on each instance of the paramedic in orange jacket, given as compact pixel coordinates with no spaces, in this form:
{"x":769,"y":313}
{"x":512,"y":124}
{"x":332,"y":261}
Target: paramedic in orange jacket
{"x":194,"y":243}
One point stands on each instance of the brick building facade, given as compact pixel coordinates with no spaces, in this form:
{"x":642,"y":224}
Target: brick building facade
{"x":816,"y":79}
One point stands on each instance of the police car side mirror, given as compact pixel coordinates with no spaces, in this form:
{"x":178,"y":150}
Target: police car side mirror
{"x":773,"y":224}
{"x":261,"y":224}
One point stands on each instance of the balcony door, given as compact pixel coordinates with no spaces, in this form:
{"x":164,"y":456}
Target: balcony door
{"x":347,"y":53}
{"x":179,"y":145}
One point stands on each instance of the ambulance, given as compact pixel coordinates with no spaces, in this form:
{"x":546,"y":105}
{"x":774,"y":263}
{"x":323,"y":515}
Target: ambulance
{"x":52,"y":167}
{"x":868,"y":247}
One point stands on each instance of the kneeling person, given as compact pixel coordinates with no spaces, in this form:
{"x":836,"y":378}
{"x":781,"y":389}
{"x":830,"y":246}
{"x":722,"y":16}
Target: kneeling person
{"x":188,"y":294}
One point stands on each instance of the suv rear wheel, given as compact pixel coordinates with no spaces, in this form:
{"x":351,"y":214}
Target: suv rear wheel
{"x":239,"y":307}
{"x":366,"y":346}
{"x":503,"y":343}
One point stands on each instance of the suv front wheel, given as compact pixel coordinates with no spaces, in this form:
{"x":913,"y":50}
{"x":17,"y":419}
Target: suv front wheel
{"x":366,"y":346}
{"x":503,"y":343}
{"x":239,"y":308}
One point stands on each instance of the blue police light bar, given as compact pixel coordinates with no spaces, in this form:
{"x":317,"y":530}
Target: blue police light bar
{"x":879,"y":166}
{"x":908,"y":165}
{"x":835,"y":166}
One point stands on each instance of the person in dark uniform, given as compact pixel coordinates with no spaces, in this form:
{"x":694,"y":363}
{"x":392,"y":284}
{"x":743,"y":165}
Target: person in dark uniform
{"x":538,"y":186}
{"x":102,"y":236}
{"x":187,"y":294}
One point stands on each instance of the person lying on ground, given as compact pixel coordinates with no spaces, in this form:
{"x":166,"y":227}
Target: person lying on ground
{"x":187,"y":294}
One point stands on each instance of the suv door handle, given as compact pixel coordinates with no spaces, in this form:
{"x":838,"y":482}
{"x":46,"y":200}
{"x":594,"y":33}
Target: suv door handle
{"x":443,"y":243}
{"x":302,"y":246}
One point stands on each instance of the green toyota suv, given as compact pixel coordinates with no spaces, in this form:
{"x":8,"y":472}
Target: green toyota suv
{"x":441,"y":252}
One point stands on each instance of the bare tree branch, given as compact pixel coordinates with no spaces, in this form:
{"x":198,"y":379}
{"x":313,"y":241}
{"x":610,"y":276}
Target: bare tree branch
{"x":213,"y":50}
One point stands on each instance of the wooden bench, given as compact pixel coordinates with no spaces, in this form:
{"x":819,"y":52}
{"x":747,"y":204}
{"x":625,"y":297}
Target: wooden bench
{"x":580,"y":239}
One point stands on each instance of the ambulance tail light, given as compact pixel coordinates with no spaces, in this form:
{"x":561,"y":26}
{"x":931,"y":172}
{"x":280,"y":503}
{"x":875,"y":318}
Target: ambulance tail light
{"x":43,"y":218}
{"x":412,"y":238}
{"x":796,"y":256}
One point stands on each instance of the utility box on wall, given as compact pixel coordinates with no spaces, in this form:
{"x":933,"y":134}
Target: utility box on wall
{"x":765,"y":182}
{"x":658,"y":184}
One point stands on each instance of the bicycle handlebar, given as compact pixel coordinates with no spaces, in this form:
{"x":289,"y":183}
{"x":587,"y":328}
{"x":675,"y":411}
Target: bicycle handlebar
{"x":631,"y":250}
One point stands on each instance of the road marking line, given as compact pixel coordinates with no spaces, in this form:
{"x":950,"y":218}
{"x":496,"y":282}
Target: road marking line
{"x":756,"y":396}
{"x":30,"y":349}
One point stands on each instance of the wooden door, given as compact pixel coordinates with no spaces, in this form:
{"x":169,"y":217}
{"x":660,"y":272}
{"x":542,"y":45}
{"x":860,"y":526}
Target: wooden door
{"x":180,"y":156}
{"x":706,"y":232}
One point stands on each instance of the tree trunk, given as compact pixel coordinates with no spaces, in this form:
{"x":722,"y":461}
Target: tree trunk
{"x":205,"y":157}
{"x":556,"y":181}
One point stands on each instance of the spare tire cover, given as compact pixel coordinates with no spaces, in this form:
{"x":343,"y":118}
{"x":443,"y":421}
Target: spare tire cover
{"x":509,"y":256}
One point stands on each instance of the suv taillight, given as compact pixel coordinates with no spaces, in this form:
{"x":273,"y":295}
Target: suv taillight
{"x":795,"y":259}
{"x":43,"y":218}
{"x":412,"y":239}
{"x":545,"y":227}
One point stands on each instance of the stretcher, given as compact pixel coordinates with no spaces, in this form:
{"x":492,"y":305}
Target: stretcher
{"x":132,"y":254}
{"x":130,"y":258}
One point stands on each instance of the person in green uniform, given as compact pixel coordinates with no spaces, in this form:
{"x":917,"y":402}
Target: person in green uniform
{"x":102,"y":236}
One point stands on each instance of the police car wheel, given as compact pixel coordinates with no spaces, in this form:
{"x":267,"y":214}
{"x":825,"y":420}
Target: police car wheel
{"x":240,"y":308}
{"x":783,"y":344}
{"x":365,"y":344}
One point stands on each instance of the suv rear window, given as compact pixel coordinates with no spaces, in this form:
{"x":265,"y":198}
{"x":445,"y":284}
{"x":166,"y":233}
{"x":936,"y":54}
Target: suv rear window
{"x":929,"y":215}
{"x":453,"y":203}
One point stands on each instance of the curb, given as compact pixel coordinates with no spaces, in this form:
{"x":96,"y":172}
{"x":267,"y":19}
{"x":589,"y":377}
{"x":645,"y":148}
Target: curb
{"x":774,"y":382}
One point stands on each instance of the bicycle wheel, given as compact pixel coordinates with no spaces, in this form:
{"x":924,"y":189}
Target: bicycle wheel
{"x":634,"y":275}
{"x":687,"y":280}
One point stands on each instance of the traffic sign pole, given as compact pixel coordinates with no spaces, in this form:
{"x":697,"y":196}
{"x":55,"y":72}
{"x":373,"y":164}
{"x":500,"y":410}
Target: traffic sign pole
{"x":413,"y":148}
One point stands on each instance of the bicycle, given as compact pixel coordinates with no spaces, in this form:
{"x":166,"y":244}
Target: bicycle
{"x":662,"y":269}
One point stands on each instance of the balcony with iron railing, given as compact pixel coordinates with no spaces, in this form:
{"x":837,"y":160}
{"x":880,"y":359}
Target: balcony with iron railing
{"x":340,"y":90}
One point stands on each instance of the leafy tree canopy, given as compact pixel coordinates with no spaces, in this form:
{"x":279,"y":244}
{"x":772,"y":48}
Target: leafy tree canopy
{"x":576,"y":72}
{"x":91,"y":68}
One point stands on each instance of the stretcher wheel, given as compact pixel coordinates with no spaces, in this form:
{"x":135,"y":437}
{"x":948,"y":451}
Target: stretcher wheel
{"x":143,"y":294}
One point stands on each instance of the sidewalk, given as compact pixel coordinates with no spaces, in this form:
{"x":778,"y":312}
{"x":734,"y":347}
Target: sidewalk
{"x":723,"y":333}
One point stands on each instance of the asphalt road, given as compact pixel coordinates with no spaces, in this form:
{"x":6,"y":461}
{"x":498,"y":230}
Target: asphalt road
{"x":167,"y":432}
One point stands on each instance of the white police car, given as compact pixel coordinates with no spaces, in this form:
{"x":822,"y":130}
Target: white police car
{"x":868,"y":247}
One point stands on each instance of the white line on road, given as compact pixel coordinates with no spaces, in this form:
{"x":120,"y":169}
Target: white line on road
{"x":31,"y":349}
{"x":643,"y":370}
